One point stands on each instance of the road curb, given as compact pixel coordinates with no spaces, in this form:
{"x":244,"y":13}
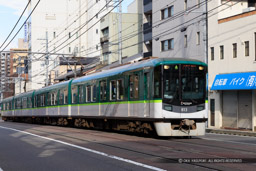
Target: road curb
{"x":231,"y":132}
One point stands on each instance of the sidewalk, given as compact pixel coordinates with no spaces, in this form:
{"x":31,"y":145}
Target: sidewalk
{"x":231,"y":132}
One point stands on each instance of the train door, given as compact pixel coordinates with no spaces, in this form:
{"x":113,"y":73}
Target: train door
{"x":146,"y":94}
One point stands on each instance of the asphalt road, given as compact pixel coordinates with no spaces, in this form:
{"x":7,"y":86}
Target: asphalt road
{"x":41,"y":147}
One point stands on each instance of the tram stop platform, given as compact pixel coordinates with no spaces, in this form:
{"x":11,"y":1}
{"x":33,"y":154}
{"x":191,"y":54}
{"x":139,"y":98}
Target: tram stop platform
{"x":231,"y":132}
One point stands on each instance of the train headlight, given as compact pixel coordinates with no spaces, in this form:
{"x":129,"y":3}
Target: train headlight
{"x":166,"y":66}
{"x":201,"y":68}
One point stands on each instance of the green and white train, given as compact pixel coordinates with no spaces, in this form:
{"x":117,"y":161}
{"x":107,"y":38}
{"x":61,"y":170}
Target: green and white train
{"x":166,"y":96}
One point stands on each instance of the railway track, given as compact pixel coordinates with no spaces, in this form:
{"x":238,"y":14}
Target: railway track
{"x":154,"y":142}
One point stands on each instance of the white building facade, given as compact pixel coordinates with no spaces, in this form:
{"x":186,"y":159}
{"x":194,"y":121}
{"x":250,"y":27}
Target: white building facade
{"x":71,"y":28}
{"x":232,"y":64}
{"x":178,"y":29}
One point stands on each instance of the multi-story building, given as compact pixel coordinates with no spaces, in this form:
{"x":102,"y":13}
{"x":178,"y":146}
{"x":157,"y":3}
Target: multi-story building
{"x":67,"y":27}
{"x":147,"y":28}
{"x":6,"y":83}
{"x":232,"y":64}
{"x":178,"y":29}
{"x":131,"y":36}
{"x":19,"y":69}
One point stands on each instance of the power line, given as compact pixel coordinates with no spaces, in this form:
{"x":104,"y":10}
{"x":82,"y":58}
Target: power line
{"x":16,"y":24}
{"x":22,"y":25}
{"x":71,"y":24}
{"x":88,"y":28}
{"x":177,"y":15}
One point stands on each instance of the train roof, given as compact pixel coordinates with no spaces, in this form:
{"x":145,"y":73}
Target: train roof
{"x":52,"y":87}
{"x":134,"y":66}
{"x":112,"y":72}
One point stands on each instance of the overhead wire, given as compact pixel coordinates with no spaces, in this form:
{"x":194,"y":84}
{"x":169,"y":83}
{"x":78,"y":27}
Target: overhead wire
{"x":92,"y":25}
{"x":22,"y":25}
{"x":15,"y":24}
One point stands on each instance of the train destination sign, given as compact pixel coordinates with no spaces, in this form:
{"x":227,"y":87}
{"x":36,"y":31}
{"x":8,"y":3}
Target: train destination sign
{"x":235,"y":81}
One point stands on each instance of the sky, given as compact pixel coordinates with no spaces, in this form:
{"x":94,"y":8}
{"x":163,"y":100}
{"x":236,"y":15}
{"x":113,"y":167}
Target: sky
{"x":10,"y":11}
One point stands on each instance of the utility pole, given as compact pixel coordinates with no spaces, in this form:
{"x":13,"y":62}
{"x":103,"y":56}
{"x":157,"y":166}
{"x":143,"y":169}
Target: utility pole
{"x":46,"y":60}
{"x":206,"y":32}
{"x":120,"y":33}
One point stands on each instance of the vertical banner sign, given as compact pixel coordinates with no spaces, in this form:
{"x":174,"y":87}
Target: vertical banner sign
{"x":26,"y":32}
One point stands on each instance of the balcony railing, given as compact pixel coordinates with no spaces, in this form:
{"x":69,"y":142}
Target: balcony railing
{"x":104,"y":39}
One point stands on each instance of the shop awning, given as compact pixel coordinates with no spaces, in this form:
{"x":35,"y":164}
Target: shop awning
{"x":235,"y":81}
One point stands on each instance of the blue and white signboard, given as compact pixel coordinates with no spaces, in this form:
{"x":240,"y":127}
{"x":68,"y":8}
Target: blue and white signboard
{"x":235,"y":81}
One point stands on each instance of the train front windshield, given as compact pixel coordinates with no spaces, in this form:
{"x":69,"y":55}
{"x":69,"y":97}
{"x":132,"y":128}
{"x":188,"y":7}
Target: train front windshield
{"x":184,"y":84}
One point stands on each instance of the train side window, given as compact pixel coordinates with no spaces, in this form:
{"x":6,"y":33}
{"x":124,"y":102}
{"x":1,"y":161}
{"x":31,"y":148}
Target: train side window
{"x":103,"y":90}
{"x":134,"y":87}
{"x":113,"y":90}
{"x":94,"y":92}
{"x":35,"y":101}
{"x":42,"y":100}
{"x":131,"y":87}
{"x":74,"y":94}
{"x":65,"y":96}
{"x":30,"y":102}
{"x":88,"y":93}
{"x":24,"y":103}
{"x":120,"y":89}
{"x":18,"y":103}
{"x":157,"y":82}
{"x":81,"y":94}
{"x":56,"y":97}
{"x":61,"y":97}
{"x":51,"y":99}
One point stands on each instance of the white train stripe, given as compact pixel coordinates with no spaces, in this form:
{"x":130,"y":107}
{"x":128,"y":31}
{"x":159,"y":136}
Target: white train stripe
{"x":87,"y":149}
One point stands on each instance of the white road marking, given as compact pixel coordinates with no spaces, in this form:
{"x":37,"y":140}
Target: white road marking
{"x":227,"y":141}
{"x":87,"y":149}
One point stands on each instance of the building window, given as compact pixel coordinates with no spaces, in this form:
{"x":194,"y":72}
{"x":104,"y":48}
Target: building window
{"x":185,"y":5}
{"x":212,"y":53}
{"x":54,"y":34}
{"x":167,"y":44}
{"x":198,"y":38}
{"x":97,"y":31}
{"x":198,"y":3}
{"x":185,"y":41}
{"x":222,"y":52}
{"x":69,"y":34}
{"x":105,"y":32}
{"x":246,"y":43}
{"x":69,"y":49}
{"x":167,"y":12}
{"x":234,"y":50}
